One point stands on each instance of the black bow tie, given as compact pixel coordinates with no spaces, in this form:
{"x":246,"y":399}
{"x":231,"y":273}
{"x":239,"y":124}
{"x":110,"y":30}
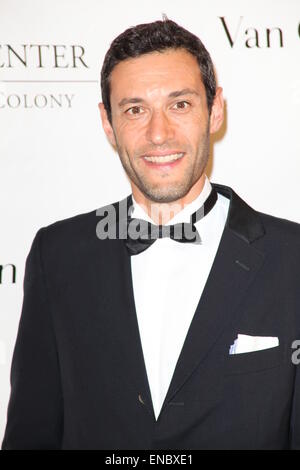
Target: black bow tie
{"x":141,"y":234}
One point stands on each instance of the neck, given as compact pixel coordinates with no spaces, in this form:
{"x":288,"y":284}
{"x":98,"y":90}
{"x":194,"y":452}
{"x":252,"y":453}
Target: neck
{"x":162,"y":212}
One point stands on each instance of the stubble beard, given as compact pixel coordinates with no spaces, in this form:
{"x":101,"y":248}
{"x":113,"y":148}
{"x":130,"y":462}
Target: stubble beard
{"x":174,"y":191}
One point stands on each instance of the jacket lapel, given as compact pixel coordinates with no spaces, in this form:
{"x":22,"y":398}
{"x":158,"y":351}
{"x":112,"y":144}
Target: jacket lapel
{"x":132,"y":346}
{"x":235,"y":266}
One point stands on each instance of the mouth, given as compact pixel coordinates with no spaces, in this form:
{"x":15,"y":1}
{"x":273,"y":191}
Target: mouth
{"x":166,"y":159}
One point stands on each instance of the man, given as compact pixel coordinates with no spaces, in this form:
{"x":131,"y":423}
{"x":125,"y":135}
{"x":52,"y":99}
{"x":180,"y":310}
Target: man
{"x":180,"y":334}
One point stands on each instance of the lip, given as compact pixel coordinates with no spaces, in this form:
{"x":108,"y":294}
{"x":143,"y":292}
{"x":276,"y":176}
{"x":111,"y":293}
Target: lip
{"x":161,"y":153}
{"x":163,"y":165}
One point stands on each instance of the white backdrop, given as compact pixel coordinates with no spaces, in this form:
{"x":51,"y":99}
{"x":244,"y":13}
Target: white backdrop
{"x":54,"y":158}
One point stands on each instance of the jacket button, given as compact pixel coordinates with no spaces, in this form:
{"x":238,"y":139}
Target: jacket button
{"x":140,"y":399}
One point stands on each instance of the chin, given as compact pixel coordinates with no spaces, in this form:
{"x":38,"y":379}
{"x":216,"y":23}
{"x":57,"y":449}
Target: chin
{"x":163,"y":196}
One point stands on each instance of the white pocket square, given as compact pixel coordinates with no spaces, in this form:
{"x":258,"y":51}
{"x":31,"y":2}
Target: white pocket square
{"x":247,"y":343}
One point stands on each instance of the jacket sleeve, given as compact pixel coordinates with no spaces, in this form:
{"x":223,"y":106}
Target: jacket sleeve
{"x":35,"y":409}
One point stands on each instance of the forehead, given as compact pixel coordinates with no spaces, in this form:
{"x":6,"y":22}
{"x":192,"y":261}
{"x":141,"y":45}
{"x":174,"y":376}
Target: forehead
{"x":156,"y":72}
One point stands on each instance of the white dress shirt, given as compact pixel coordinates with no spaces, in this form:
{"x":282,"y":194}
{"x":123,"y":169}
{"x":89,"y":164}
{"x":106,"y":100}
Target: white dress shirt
{"x":168,"y":280}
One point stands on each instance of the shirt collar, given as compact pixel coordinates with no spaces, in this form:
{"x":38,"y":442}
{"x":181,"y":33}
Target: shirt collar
{"x":184,"y":214}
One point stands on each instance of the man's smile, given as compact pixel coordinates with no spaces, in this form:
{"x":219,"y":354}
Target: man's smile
{"x":165,"y":160}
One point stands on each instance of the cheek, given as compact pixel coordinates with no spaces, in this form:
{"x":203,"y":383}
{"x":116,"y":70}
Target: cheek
{"x":191,"y":131}
{"x":195,"y":122}
{"x":131,"y":134}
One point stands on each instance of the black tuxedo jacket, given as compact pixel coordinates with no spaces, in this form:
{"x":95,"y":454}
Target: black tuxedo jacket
{"x":78,"y":377}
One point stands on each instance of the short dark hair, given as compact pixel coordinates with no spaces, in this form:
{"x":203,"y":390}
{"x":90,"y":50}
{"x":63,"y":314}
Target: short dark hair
{"x":151,"y":37}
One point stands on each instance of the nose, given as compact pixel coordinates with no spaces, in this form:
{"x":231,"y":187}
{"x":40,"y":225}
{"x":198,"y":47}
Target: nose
{"x":159,"y":128}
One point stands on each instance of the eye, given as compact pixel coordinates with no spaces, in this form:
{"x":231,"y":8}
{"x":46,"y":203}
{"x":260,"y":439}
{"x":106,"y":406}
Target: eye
{"x":134,"y":110}
{"x":181,"y":105}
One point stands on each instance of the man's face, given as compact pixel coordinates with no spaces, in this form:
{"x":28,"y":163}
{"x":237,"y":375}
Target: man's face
{"x":160,"y":123}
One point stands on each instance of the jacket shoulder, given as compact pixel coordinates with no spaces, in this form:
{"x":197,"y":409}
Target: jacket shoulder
{"x":76,"y":232}
{"x":252,"y":224}
{"x":77,"y":223}
{"x":281,"y":227}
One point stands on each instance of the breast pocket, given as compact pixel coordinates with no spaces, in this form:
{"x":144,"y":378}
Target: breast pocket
{"x":255,"y":361}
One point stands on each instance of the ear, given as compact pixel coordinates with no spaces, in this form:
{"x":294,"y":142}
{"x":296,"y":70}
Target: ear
{"x":217,"y":111}
{"x":106,"y":125}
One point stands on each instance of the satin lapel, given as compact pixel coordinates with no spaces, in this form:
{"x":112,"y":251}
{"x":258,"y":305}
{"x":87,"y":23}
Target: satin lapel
{"x":122,"y":306}
{"x":127,"y":331}
{"x":235,"y":266}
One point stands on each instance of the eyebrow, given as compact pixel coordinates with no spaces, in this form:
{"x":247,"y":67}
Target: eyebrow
{"x":173,"y":94}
